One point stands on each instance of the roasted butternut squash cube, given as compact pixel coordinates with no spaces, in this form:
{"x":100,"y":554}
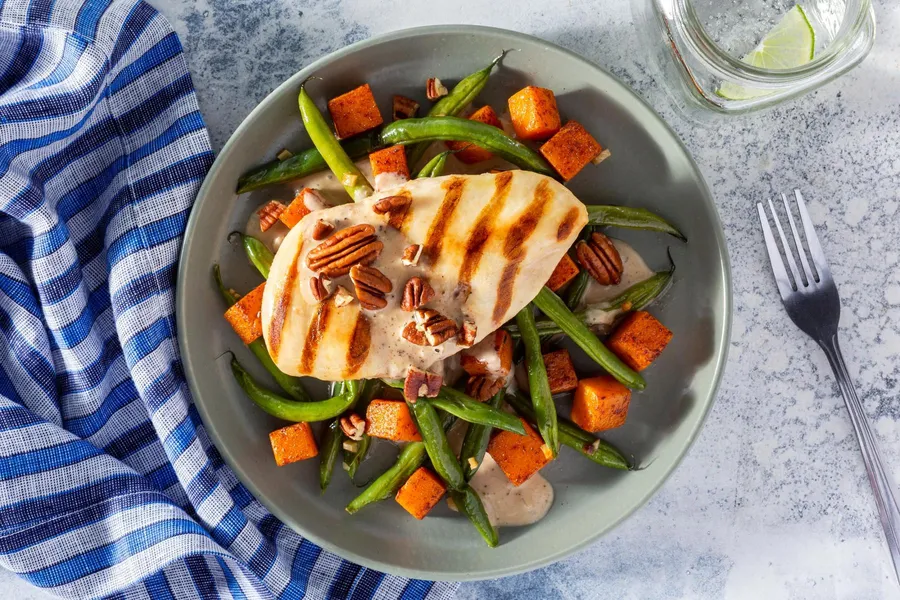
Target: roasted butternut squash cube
{"x":564,"y":272}
{"x":570,"y":149}
{"x":389,"y":167}
{"x":560,"y":371}
{"x":639,"y":339}
{"x":293,"y":443}
{"x":519,"y":456}
{"x":391,"y":420}
{"x":354,"y":112}
{"x":244,"y":315}
{"x":470,"y":153}
{"x":491,"y":356}
{"x":600,"y":403}
{"x":421,"y":492}
{"x":306,"y":201}
{"x":533,"y":113}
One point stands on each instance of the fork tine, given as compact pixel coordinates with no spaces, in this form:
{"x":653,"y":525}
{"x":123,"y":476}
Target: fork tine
{"x":812,"y":240}
{"x":781,"y":276}
{"x":809,"y":274}
{"x":798,"y":283}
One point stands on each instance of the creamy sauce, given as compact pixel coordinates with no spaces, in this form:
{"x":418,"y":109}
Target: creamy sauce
{"x":385,"y":181}
{"x":505,"y":504}
{"x":635,"y":270}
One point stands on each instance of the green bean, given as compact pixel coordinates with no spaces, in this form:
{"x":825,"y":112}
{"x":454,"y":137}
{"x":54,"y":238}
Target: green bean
{"x":469,"y":503}
{"x":386,"y":485}
{"x":475,"y":442}
{"x":581,"y":334}
{"x":462,"y":95}
{"x":435,"y":166}
{"x":292,"y":385}
{"x":439,"y":451}
{"x":289,"y":410}
{"x":538,"y":383}
{"x":301,"y":164}
{"x":642,"y":293}
{"x":573,"y":436}
{"x":432,"y":129}
{"x":258,"y":253}
{"x":630,"y":218}
{"x":353,"y":458}
{"x":468,"y":409}
{"x":334,"y":154}
{"x":332,"y":440}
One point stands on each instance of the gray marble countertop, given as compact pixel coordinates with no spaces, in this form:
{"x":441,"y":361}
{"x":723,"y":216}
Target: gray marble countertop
{"x":772,"y":501}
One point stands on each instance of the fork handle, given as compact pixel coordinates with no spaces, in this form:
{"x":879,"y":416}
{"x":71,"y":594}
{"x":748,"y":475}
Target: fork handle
{"x":879,"y":477}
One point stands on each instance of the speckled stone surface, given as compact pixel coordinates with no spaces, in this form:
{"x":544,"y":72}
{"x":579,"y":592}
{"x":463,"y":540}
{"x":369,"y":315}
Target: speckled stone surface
{"x":772,"y":501}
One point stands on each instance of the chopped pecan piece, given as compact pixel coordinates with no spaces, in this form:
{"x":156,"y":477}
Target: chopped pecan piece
{"x":413,"y":335}
{"x":317,"y":287}
{"x":269,"y":213}
{"x":411,"y":255}
{"x":371,"y":286}
{"x":353,"y":426}
{"x":404,"y":108}
{"x":434,"y":89}
{"x":342,"y":297}
{"x":395,"y":207}
{"x":466,"y":336}
{"x":416,"y":293}
{"x":600,"y":258}
{"x":436,"y":327}
{"x":355,"y":245}
{"x":321,"y":230}
{"x":483,"y":387}
{"x":419,"y":383}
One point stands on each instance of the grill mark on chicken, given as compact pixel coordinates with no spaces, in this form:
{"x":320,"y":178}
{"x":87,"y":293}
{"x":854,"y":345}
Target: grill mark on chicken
{"x":317,"y":326}
{"x":397,"y":218}
{"x":360,"y":342}
{"x":514,"y":247}
{"x":567,"y":224}
{"x":434,"y":241}
{"x":484,"y":226}
{"x":279,"y":313}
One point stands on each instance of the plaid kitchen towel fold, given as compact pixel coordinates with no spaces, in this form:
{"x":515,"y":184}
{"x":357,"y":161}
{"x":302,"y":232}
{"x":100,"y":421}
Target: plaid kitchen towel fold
{"x":109,"y":485}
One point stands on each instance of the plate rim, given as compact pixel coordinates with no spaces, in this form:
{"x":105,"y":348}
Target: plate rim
{"x":723,"y":340}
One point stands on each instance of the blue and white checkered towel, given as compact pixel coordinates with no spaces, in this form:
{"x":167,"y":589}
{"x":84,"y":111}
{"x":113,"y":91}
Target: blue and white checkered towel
{"x":108,"y":482}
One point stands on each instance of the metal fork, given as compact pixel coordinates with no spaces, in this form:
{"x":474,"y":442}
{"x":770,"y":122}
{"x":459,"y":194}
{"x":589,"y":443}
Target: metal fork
{"x":812,"y":303}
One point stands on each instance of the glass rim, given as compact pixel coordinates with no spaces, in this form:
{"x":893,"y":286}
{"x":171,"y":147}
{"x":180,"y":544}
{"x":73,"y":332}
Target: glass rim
{"x":733,"y":68}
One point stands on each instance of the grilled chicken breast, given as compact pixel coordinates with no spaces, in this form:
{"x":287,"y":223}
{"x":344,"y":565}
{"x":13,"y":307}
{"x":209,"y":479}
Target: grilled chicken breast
{"x":488,"y":243}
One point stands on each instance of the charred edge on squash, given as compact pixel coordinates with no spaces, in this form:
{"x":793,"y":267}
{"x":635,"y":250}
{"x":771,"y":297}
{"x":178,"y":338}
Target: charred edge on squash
{"x":360,"y":342}
{"x":514,"y":247}
{"x":279,"y":313}
{"x":317,"y":327}
{"x":434,"y":241}
{"x":484,"y":226}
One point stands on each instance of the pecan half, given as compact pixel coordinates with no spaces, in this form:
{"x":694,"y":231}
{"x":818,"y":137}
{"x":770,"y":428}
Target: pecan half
{"x":436,"y":327}
{"x":317,"y":287}
{"x":419,"y":383}
{"x":321,"y":230}
{"x":416,"y":293}
{"x":482,"y":387}
{"x":342,"y":297}
{"x":411,"y":255}
{"x":466,"y":336}
{"x":353,"y":426}
{"x":355,"y":245}
{"x":404,"y":108}
{"x":395,"y":207}
{"x":434,"y":89}
{"x":600,"y":258}
{"x":371,"y":286}
{"x":269,"y":213}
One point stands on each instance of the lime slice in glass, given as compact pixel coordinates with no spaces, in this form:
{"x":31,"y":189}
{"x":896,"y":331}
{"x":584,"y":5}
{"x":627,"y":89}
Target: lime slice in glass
{"x":791,"y":43}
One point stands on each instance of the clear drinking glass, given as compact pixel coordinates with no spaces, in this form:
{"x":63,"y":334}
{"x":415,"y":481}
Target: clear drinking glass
{"x":699,"y":44}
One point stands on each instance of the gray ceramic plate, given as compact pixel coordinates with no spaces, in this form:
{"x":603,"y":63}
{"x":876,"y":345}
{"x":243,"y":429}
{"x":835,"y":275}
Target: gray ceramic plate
{"x":649,"y":167}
